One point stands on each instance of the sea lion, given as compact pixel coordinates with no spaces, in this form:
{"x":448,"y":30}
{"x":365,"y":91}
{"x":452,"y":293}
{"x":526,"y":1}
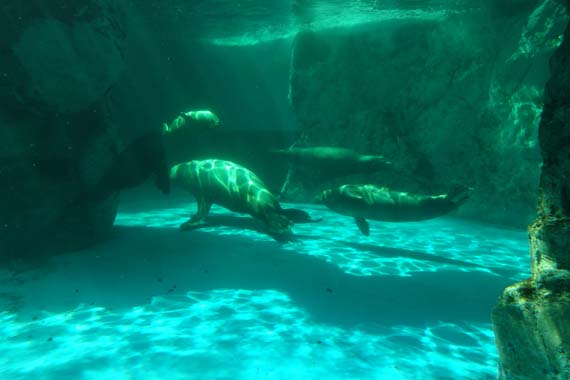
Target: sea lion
{"x":146,"y":157}
{"x":334,"y":160}
{"x":203,"y":118}
{"x":236,"y":188}
{"x":380,"y":203}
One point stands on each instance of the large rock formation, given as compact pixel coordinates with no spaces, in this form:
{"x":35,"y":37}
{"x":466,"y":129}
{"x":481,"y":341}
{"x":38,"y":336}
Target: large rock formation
{"x":532,"y":318}
{"x":58,"y":60}
{"x":450,"y":98}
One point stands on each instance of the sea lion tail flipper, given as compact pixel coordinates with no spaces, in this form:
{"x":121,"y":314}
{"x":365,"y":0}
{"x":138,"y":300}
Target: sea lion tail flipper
{"x":298,"y":216}
{"x":363,"y":225}
{"x":458,"y":194}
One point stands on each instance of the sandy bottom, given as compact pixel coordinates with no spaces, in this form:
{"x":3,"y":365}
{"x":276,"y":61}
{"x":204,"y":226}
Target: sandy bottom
{"x":410,"y":302}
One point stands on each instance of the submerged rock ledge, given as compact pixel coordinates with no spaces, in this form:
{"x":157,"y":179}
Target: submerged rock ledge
{"x":532,"y":318}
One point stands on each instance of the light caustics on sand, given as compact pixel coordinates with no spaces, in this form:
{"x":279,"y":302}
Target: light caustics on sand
{"x":245,"y":333}
{"x":237,"y":334}
{"x":400,"y":249}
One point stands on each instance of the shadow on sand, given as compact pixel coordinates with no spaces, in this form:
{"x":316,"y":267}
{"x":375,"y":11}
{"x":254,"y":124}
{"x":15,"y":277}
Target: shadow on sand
{"x":140,"y":263}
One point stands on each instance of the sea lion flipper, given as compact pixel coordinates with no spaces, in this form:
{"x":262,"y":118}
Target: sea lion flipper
{"x":192,"y":225}
{"x":368,"y":198}
{"x":363,"y":225}
{"x":352,"y":192}
{"x":198,"y":220}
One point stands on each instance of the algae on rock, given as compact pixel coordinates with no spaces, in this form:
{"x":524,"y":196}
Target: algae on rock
{"x":447,"y":99}
{"x":531,"y":319}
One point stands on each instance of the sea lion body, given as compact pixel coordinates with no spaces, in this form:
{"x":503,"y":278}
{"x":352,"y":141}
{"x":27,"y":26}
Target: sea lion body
{"x":192,"y":119}
{"x":334,"y":160}
{"x":235,"y":188}
{"x":380,"y":203}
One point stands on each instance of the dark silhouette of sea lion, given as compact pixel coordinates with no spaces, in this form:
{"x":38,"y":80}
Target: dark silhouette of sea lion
{"x":237,"y":189}
{"x":334,"y":160}
{"x":380,"y":203}
{"x":143,"y":158}
{"x":146,"y":157}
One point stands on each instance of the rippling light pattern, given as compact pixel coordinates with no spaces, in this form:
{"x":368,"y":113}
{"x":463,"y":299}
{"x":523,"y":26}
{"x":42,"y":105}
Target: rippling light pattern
{"x":392,"y":249}
{"x":329,"y":18}
{"x":233,"y":334}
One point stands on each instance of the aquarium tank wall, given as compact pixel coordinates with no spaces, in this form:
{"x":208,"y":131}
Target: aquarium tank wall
{"x":282,"y":189}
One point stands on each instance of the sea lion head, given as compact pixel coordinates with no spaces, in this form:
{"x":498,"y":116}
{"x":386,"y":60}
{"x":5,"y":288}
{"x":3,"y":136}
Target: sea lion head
{"x":184,"y":172}
{"x":328,"y":196}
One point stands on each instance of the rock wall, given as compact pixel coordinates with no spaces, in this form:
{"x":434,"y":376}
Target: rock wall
{"x":531,"y":319}
{"x":58,"y":60}
{"x":454,"y":99}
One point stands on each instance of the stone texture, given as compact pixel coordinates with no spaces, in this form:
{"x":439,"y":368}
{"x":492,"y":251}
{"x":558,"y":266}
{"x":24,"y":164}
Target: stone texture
{"x":533,"y":333}
{"x":58,"y":62}
{"x":444,"y":98}
{"x":531,"y":319}
{"x":69,"y":67}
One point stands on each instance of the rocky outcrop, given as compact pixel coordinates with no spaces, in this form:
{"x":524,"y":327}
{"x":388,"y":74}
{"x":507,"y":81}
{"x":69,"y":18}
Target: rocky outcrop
{"x":532,"y":318}
{"x":443,"y":97}
{"x":58,"y":61}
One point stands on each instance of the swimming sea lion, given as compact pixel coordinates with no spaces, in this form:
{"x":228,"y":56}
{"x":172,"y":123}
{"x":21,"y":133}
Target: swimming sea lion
{"x":379,"y":203}
{"x":237,"y":189}
{"x":146,"y":157}
{"x":203,"y":118}
{"x":334,"y":160}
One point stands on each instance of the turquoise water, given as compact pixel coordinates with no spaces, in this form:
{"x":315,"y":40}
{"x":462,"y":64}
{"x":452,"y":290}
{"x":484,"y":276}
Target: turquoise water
{"x":250,"y":22}
{"x":412,"y":301}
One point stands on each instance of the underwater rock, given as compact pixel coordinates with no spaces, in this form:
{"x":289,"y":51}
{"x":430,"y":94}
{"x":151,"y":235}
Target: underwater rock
{"x":58,"y":63}
{"x":531,"y":322}
{"x":442,"y":98}
{"x":38,"y":207}
{"x":64,"y":62}
{"x":533,"y":333}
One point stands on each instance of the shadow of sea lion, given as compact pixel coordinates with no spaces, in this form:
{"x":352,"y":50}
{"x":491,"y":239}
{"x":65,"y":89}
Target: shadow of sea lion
{"x":416,"y":255}
{"x":234,"y":221}
{"x":250,"y":224}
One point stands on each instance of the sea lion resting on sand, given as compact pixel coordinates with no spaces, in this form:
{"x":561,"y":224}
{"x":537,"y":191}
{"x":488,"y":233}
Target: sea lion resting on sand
{"x":237,"y":189}
{"x":379,"y":203}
